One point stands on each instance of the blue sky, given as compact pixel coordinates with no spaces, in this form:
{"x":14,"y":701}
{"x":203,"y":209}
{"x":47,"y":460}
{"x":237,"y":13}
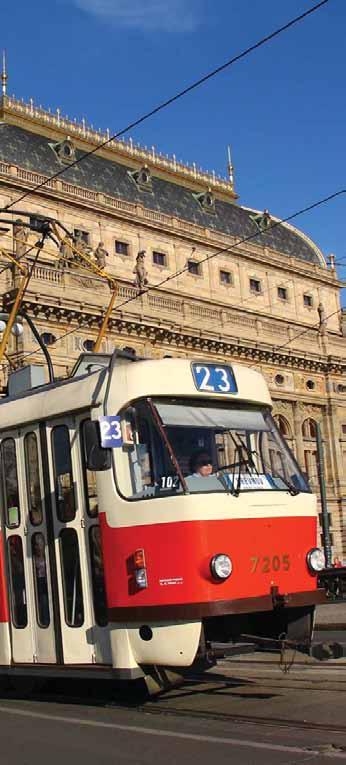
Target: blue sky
{"x":282,"y":109}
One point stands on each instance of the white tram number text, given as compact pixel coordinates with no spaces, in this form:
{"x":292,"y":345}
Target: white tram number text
{"x":267,"y":564}
{"x":170,"y":482}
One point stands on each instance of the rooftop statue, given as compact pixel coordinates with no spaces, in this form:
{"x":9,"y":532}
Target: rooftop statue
{"x":141,"y":273}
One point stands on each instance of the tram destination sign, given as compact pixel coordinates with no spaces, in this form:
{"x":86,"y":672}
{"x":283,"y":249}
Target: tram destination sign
{"x":214,"y":378}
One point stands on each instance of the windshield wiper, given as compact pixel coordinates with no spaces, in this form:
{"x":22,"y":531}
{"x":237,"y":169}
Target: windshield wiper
{"x":293,"y":490}
{"x":229,"y":486}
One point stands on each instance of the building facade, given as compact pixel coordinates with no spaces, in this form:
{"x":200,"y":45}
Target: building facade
{"x":218,"y":281}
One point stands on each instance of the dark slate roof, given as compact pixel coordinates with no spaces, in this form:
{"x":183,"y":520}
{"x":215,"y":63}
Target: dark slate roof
{"x":33,"y":152}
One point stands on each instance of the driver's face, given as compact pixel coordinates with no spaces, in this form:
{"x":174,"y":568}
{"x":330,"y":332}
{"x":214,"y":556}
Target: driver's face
{"x":204,"y":466}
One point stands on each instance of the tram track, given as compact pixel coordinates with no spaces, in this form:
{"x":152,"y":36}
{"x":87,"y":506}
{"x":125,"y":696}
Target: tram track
{"x":181,"y":702}
{"x":273,"y":722}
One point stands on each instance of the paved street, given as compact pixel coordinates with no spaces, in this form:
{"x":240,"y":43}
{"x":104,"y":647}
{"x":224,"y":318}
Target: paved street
{"x":246,"y":710}
{"x":33,"y":732}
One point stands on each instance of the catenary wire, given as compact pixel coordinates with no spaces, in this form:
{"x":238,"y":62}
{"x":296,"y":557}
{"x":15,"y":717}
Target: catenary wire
{"x":314,"y":205}
{"x":174,"y":98}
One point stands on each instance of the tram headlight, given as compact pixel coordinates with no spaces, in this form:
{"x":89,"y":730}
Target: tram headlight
{"x":221,"y":566}
{"x":316,"y":560}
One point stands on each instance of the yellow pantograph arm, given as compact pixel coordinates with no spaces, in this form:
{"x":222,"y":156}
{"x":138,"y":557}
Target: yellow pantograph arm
{"x":16,"y":262}
{"x":12,"y":317}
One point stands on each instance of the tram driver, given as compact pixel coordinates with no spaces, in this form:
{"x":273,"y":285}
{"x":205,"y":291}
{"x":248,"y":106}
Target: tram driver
{"x":200,"y":464}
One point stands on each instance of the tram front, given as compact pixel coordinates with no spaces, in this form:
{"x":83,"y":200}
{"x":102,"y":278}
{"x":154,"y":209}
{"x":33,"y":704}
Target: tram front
{"x":209,"y":527}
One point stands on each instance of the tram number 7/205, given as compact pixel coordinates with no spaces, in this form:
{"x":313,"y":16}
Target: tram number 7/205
{"x":270,"y":563}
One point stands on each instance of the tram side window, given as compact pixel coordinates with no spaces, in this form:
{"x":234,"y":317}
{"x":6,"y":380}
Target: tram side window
{"x":71,"y":578}
{"x":18,"y":600}
{"x":33,"y":479}
{"x":10,"y":482}
{"x":99,"y":593}
{"x":64,"y":490}
{"x":89,"y":479}
{"x":143,"y":457}
{"x":40,"y":579}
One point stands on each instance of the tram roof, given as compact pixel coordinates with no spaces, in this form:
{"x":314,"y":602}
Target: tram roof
{"x":146,"y":377}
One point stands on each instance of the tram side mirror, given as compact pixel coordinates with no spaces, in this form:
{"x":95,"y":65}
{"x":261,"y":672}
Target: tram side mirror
{"x":96,"y":458}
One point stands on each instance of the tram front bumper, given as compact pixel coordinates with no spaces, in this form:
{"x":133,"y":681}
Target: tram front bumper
{"x":195,"y":611}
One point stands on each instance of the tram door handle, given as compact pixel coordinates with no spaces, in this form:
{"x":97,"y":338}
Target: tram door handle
{"x":82,"y":523}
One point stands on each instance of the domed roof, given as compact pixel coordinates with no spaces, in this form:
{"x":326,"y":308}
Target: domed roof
{"x":36,"y":153}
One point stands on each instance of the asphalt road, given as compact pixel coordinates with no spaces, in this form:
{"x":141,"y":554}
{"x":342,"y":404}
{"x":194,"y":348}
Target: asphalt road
{"x":36,"y":733}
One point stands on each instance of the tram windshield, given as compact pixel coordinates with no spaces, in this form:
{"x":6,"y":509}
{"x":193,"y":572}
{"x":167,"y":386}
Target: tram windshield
{"x":172,"y":446}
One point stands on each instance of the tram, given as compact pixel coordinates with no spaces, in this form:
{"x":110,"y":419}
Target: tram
{"x":150,"y":510}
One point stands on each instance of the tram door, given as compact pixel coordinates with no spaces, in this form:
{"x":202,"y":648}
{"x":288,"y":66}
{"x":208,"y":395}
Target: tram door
{"x":69,"y":526}
{"x":26,"y":548}
{"x":52,"y":545}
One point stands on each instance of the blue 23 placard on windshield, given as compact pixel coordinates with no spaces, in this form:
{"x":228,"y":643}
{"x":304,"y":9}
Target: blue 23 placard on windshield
{"x":214,"y":378}
{"x":110,"y":432}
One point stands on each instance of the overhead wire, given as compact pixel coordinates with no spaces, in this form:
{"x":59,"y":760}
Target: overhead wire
{"x":173,"y":99}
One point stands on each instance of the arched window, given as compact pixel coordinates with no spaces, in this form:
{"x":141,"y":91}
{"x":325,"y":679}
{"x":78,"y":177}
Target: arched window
{"x":309,"y":429}
{"x":310,"y":450}
{"x":285,"y":429}
{"x":283,"y":426}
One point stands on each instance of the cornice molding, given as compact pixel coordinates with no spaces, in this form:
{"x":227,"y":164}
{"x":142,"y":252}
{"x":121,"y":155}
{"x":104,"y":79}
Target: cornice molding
{"x":181,"y":338}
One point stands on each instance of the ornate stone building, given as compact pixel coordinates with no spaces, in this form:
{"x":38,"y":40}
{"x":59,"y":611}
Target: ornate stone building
{"x":270,"y":301}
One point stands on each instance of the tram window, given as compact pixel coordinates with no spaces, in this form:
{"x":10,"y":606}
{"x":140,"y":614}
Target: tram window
{"x":10,"y":482}
{"x":19,"y":611}
{"x":71,"y":578}
{"x":89,"y":477}
{"x":240,"y":448}
{"x":33,"y":479}
{"x":40,"y":579}
{"x":64,"y":491}
{"x":99,"y":593}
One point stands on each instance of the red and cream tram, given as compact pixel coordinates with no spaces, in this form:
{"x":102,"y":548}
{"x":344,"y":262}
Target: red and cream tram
{"x":150,"y":509}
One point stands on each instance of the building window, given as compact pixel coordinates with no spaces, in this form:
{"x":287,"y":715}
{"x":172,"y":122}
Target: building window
{"x":283,"y":426}
{"x":83,"y":235}
{"x":255,"y":285}
{"x":282,"y":293}
{"x":159,"y":258}
{"x":307,"y":301}
{"x":121,"y":248}
{"x":48,"y":338}
{"x":88,"y":345}
{"x":279,"y":379}
{"x":226,"y":278}
{"x":310,"y":384}
{"x":343,"y":430}
{"x":309,"y":428}
{"x":193,"y":267}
